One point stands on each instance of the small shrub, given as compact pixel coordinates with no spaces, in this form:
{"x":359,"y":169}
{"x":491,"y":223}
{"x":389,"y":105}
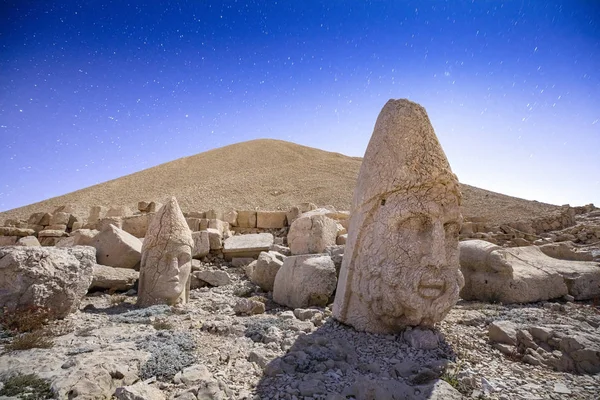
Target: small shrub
{"x":30,"y":340}
{"x":162,"y":324}
{"x":27,"y":387}
{"x":26,"y":319}
{"x":451,"y":379}
{"x":170,"y":352}
{"x":451,"y":374}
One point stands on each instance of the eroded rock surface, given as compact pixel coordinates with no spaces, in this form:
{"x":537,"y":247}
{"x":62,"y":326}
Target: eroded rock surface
{"x":53,"y":278}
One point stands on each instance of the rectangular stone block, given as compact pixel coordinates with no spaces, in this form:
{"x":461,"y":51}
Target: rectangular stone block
{"x":137,"y":225}
{"x":215,"y":239}
{"x":193,"y":223}
{"x":219,"y":225}
{"x":201,"y":244}
{"x":57,"y":227}
{"x":203,"y":224}
{"x":60,"y":218}
{"x":246,"y":219}
{"x":247,"y":245}
{"x":271,"y":219}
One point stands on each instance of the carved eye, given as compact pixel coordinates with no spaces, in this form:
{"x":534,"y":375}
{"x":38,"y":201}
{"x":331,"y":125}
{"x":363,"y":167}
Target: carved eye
{"x":383,"y":202}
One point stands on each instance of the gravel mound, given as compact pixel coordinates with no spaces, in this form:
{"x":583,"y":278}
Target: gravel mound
{"x":265,"y":174}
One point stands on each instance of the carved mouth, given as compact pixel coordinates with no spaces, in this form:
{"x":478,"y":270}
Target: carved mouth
{"x":431,"y":288}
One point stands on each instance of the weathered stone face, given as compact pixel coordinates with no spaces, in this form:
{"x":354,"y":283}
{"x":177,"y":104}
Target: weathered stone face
{"x":166,"y":259}
{"x":401,"y":261}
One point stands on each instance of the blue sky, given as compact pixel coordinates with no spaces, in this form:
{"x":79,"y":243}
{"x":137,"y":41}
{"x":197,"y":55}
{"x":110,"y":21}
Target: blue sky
{"x":93,"y":90}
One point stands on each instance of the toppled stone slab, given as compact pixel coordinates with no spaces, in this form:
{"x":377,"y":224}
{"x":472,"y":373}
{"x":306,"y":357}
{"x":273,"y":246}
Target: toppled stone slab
{"x":117,"y":248}
{"x":213,"y":277}
{"x":12,"y":231}
{"x":113,"y":279}
{"x":247,"y":245}
{"x":523,"y":274}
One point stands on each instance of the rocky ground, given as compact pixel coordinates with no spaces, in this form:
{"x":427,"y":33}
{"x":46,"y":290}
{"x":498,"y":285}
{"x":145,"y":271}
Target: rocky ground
{"x":210,"y":348}
{"x":276,"y":355}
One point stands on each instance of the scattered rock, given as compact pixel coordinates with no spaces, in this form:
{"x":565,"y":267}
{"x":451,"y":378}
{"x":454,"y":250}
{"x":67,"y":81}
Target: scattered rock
{"x":53,"y":278}
{"x":305,"y":281}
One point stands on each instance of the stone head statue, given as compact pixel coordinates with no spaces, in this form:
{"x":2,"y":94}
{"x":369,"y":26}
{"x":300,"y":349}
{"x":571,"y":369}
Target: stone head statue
{"x":166,"y":258}
{"x":401,"y":263}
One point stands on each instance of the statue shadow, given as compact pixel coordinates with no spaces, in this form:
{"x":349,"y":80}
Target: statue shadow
{"x":336,"y":362}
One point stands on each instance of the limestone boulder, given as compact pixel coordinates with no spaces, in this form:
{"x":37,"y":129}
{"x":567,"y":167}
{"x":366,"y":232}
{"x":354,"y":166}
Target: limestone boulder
{"x":54,"y":278}
{"x":213,"y":277}
{"x":523,"y":274}
{"x":298,"y":210}
{"x":84,"y":237}
{"x":113,"y":279}
{"x":231,"y":217}
{"x":264,"y":271}
{"x":215,"y":239}
{"x":249,"y":307}
{"x":221,"y":226}
{"x":250,"y":245}
{"x":311,"y":233}
{"x":117,"y":248}
{"x":166,"y":261}
{"x":305,"y":281}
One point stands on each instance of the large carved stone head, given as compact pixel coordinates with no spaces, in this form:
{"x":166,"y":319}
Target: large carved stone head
{"x":401,"y":264}
{"x":166,"y":258}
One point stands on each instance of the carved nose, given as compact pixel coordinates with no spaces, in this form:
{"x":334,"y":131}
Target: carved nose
{"x":437,"y":256}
